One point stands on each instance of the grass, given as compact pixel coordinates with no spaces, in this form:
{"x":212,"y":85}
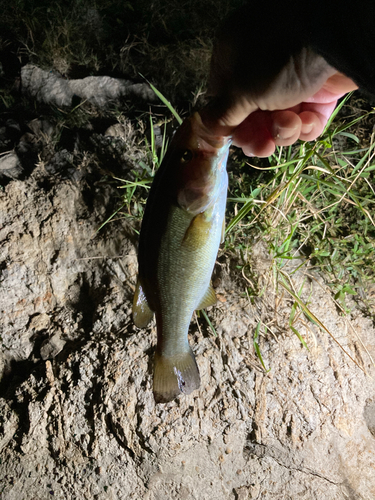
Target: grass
{"x":316,"y":206}
{"x":312,"y":207}
{"x":132,"y":201}
{"x":168,"y":41}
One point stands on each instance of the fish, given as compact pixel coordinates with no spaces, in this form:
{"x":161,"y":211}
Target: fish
{"x":181,"y":231}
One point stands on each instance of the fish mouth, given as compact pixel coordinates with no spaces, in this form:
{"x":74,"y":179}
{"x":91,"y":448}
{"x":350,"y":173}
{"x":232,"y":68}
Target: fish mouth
{"x":207,"y":140}
{"x":201,"y":180}
{"x":200,"y":192}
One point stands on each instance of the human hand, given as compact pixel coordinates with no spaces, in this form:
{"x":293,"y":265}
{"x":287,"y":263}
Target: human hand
{"x":280,"y":117}
{"x":266,"y":101}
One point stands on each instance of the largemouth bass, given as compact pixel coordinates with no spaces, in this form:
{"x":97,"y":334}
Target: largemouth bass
{"x":181,"y":231}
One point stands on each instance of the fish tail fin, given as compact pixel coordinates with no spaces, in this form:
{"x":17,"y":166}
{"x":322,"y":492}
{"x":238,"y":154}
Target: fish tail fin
{"x":174,"y":375}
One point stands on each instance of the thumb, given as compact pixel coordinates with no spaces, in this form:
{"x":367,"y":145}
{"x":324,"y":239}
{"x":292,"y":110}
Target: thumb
{"x":222,"y":116}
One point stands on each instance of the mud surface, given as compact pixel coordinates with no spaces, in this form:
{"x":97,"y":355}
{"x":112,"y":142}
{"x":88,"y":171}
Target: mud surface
{"x":77,"y":415}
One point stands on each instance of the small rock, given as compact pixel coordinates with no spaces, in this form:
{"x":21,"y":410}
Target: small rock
{"x":242,"y":493}
{"x":9,"y":161}
{"x":51,"y":347}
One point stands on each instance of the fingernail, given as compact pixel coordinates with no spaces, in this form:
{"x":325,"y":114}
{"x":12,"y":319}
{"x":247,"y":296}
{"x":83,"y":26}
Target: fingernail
{"x":306,"y":128}
{"x":247,"y":151}
{"x":285,"y":133}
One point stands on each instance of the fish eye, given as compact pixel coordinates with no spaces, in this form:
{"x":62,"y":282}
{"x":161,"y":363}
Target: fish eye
{"x":187,"y":156}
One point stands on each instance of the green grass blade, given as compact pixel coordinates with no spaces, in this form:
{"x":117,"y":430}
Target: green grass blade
{"x":241,"y":214}
{"x":335,"y":112}
{"x":165,"y":101}
{"x":111,"y":217}
{"x":311,"y":316}
{"x":204,"y":314}
{"x":257,"y":349}
{"x":296,"y":332}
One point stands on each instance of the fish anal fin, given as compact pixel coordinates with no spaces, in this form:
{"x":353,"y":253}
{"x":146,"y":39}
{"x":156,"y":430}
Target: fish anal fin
{"x":174,"y":375}
{"x":142,"y":314}
{"x":208,"y":299}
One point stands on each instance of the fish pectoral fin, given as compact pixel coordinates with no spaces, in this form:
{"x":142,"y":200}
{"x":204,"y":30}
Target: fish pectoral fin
{"x":174,"y":375}
{"x":142,"y":314}
{"x":197,"y":232}
{"x":208,"y":299}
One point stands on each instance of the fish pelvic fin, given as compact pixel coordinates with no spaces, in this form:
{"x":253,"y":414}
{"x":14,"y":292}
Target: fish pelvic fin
{"x":142,"y":314}
{"x":174,"y":375}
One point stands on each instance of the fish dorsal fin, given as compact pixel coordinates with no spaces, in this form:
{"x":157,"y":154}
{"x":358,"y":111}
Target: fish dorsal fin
{"x":209,"y":298}
{"x":142,"y":314}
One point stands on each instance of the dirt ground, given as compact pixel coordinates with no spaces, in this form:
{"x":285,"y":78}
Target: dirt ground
{"x":77,"y":415}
